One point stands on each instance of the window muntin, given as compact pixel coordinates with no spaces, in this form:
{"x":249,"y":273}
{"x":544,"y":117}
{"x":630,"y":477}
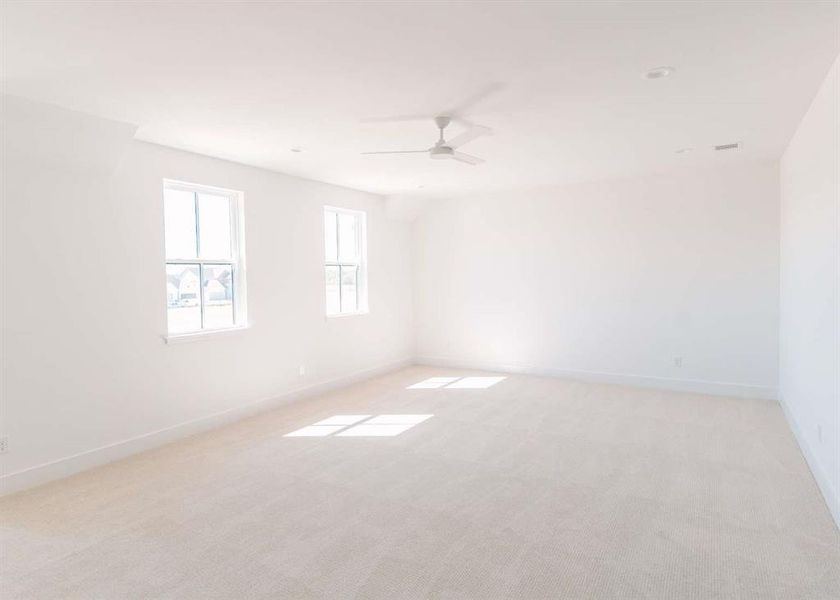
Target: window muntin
{"x":345,"y":269}
{"x":205,"y":279}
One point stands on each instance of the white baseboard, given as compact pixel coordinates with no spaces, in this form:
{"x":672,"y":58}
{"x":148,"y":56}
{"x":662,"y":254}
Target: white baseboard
{"x":831,"y":496}
{"x":715,"y":388}
{"x":64,"y":467}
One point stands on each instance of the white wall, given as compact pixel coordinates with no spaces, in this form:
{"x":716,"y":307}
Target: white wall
{"x":809,"y":367}
{"x":609,"y":281}
{"x":85,"y":365}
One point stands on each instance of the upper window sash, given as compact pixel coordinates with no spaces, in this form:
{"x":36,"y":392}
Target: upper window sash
{"x":213,"y":215}
{"x":348,"y":231}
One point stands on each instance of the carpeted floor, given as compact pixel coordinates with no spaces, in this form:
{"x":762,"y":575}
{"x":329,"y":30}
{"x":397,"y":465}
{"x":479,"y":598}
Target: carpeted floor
{"x":529,"y":488}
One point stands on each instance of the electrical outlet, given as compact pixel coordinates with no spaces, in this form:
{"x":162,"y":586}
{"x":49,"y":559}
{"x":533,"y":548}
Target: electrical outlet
{"x":301,"y":370}
{"x":678,"y":361}
{"x":4,"y":444}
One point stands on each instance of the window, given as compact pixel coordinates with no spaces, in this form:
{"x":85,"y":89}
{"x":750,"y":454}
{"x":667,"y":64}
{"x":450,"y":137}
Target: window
{"x":345,"y":261}
{"x":205,"y":270}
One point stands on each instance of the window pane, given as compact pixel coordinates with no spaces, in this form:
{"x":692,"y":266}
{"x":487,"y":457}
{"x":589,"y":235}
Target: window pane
{"x":218,"y":296}
{"x":349,"y":277}
{"x":348,"y":240}
{"x":330,"y":241}
{"x":214,"y":225}
{"x":179,"y":223}
{"x":333,"y":302}
{"x":183,"y":298}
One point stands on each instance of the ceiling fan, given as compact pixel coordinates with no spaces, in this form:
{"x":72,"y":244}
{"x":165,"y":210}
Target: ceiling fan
{"x":448,"y":149}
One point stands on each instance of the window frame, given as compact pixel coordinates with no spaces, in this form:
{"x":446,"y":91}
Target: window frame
{"x":236,"y":262}
{"x":362,"y":307}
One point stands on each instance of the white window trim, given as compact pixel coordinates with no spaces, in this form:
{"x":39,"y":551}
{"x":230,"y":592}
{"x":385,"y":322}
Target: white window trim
{"x":362,"y":281}
{"x":207,"y":334}
{"x":237,"y":260}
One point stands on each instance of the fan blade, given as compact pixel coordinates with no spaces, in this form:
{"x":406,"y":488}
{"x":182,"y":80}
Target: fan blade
{"x":454,"y":111}
{"x":478,"y":96}
{"x":467,"y":158}
{"x":397,"y":152}
{"x":468,"y":136}
{"x":397,"y":119}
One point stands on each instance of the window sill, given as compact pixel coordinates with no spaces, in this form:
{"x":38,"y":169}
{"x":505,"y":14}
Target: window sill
{"x":200,"y":336}
{"x":350,"y":314}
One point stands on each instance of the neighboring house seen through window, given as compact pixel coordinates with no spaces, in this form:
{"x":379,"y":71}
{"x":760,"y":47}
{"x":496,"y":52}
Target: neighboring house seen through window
{"x":205,"y":277}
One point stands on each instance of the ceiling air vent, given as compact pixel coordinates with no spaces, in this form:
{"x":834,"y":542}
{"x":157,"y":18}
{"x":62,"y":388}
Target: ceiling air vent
{"x":728,"y":146}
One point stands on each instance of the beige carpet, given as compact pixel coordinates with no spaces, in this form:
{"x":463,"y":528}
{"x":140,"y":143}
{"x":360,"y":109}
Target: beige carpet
{"x":530,"y":488}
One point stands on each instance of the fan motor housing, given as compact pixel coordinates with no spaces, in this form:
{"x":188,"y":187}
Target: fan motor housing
{"x":441,"y":151}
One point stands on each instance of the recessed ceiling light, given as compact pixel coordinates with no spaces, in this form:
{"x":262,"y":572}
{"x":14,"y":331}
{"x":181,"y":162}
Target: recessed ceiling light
{"x":297,"y":149}
{"x":660,"y":72}
{"x":684,"y":150}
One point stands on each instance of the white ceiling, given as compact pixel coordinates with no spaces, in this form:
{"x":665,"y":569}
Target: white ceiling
{"x":250,"y":81}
